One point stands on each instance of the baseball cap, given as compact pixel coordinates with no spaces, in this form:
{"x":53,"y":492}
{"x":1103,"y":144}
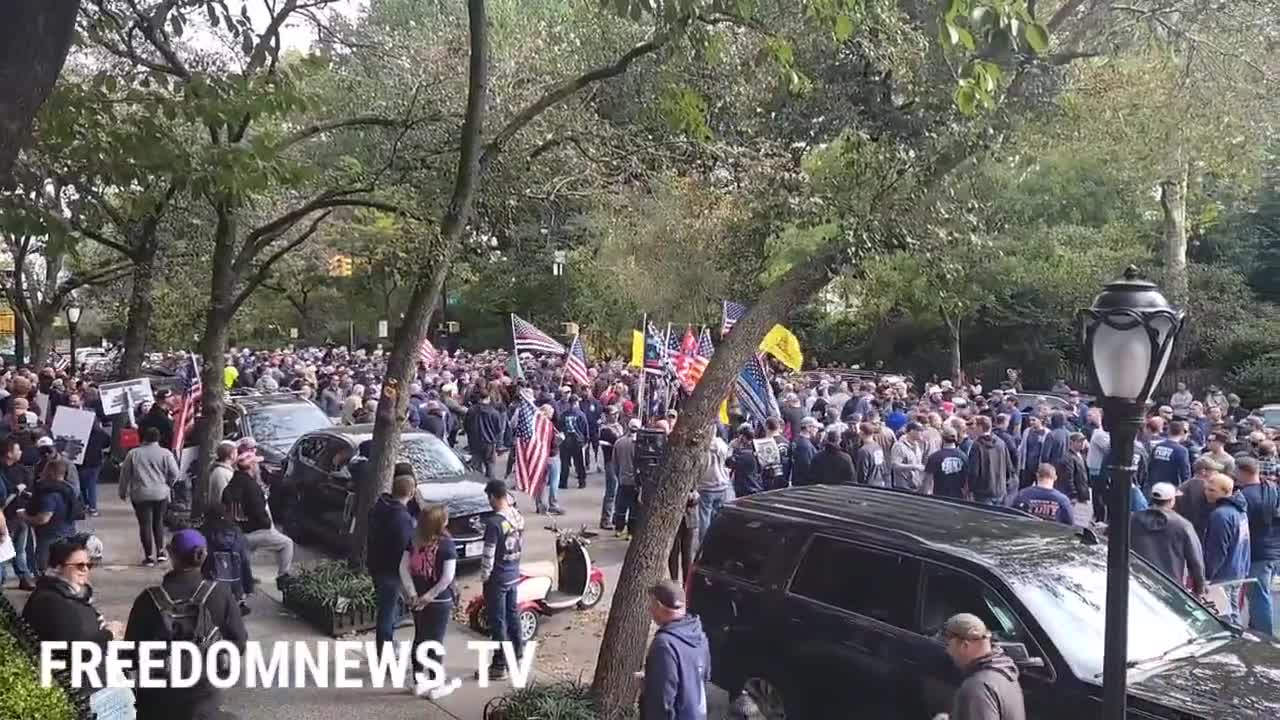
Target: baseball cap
{"x":668,"y":594}
{"x":963,"y":626}
{"x":185,"y":542}
{"x":810,"y":422}
{"x":247,"y":458}
{"x":1164,"y":492}
{"x":45,"y":441}
{"x":634,"y":423}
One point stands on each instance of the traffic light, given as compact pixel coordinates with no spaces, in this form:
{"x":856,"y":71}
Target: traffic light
{"x":340,"y":266}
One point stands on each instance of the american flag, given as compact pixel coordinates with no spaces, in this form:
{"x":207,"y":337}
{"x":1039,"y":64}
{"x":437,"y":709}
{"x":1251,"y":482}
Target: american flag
{"x":533,"y":447}
{"x":730,"y":313}
{"x":685,"y":346}
{"x":575,"y":363}
{"x":755,"y":394}
{"x":427,"y":352}
{"x":701,"y":357}
{"x":530,"y":339}
{"x":189,"y":408}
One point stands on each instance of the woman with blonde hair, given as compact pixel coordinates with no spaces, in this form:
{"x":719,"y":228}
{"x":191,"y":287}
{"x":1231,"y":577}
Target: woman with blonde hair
{"x":427,"y":572}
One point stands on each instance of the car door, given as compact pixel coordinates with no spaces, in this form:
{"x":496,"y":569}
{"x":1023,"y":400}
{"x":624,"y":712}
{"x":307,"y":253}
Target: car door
{"x":292,"y":500}
{"x":946,"y":591}
{"x":849,"y":610}
{"x":329,"y":501}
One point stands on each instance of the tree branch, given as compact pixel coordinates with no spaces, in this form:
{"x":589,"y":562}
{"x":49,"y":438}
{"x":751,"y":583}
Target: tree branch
{"x":264,"y":269}
{"x":566,"y":89}
{"x":1064,"y":13}
{"x":320,"y":128}
{"x":263,"y":235}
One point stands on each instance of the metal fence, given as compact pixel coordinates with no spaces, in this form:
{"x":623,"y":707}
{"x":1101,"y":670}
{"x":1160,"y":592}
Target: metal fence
{"x":1197,"y":380}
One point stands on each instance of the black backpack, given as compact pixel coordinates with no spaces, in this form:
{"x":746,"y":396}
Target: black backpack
{"x":187,"y":620}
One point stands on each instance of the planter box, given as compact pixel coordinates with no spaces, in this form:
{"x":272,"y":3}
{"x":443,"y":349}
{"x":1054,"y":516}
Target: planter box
{"x":336,"y":625}
{"x":12,"y":624}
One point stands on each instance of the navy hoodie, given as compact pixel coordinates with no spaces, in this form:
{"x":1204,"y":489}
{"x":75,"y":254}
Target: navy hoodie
{"x":1058,"y":441}
{"x":1264,"y":532}
{"x":390,"y":534}
{"x":1170,"y":463}
{"x":676,"y":671}
{"x":1226,"y":545}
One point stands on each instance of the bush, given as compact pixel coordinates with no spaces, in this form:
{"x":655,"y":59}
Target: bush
{"x":1258,"y":381}
{"x":545,"y":701}
{"x":21,"y":695}
{"x":1247,"y":342}
{"x":333,"y":585}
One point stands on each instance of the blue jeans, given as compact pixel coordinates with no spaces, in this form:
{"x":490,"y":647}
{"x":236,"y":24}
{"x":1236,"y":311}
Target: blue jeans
{"x":387,"y":590}
{"x":1259,"y":596}
{"x":504,"y":620}
{"x":709,"y":503}
{"x":430,"y":623}
{"x":24,"y":545}
{"x":551,"y":499}
{"x":89,"y":487}
{"x":610,"y":494}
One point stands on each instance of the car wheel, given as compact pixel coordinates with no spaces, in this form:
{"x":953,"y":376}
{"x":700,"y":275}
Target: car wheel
{"x":528,"y":619}
{"x":767,"y":697}
{"x":592,"y":595}
{"x":480,"y":622}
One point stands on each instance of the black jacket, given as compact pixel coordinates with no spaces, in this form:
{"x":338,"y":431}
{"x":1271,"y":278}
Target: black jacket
{"x":58,"y":614}
{"x":1073,"y":477}
{"x":145,"y":624}
{"x":247,"y":503}
{"x":989,"y":468}
{"x":160,"y":420}
{"x":802,"y":454}
{"x":831,"y":466}
{"x":434,"y":424}
{"x":484,"y":426}
{"x":390,"y":534}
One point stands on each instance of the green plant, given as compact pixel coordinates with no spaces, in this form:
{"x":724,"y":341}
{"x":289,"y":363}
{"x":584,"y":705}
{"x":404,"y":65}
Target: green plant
{"x":1258,"y":381}
{"x":333,"y":585}
{"x":546,"y":701}
{"x":21,"y":694}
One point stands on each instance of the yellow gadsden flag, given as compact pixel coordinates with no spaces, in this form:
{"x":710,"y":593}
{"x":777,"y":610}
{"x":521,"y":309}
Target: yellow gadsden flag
{"x":781,"y":344}
{"x":637,"y":349}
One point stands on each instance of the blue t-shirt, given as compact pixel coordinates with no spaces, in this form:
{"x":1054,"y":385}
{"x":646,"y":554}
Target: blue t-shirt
{"x":1044,"y":503}
{"x":1170,"y":463}
{"x":507,"y":539}
{"x":947,"y":468}
{"x":446,"y":549}
{"x":61,"y":524}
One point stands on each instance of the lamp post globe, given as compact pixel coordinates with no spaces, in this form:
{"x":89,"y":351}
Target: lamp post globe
{"x":73,"y":318}
{"x":1128,"y":335}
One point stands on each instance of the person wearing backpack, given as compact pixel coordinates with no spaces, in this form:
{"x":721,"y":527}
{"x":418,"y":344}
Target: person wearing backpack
{"x":229,"y":557}
{"x":55,"y":506}
{"x":427,"y":570}
{"x":185,"y":607}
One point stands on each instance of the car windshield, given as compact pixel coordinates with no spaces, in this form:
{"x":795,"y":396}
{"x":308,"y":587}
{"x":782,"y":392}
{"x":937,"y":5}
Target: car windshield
{"x":285,"y":423}
{"x":1068,"y":599}
{"x":1271,"y":417}
{"x":432,"y":460}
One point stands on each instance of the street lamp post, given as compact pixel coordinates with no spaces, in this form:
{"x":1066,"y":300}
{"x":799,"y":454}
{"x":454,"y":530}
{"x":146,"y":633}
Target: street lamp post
{"x":1128,"y":337}
{"x":73,"y":318}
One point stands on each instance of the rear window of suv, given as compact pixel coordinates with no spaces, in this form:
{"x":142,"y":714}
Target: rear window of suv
{"x":739,"y":547}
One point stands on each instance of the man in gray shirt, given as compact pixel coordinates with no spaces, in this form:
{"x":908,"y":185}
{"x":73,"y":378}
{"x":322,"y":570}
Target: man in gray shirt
{"x":624,"y":460}
{"x":1168,"y":540}
{"x":906,"y":460}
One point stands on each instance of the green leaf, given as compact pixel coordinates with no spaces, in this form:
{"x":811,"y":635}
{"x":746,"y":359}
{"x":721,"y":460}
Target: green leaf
{"x":966,"y":99}
{"x":843,"y":29}
{"x":110,"y":83}
{"x":965,"y":38}
{"x":1037,"y":36}
{"x":952,"y":34}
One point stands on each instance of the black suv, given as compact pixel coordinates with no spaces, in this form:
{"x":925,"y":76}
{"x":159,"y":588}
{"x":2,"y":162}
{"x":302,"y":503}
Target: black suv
{"x":316,"y":498}
{"x":827,"y":601}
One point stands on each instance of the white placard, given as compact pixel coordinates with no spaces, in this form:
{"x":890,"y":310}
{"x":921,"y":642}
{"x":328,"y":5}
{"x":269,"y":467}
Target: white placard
{"x":119,"y":396}
{"x":73,"y":427}
{"x":113,"y":704}
{"x":42,"y":407}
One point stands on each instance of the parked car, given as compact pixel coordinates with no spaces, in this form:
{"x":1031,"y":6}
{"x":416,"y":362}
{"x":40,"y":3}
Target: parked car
{"x":275,"y":421}
{"x":316,"y":497}
{"x":825,"y":597}
{"x":1270,"y":415}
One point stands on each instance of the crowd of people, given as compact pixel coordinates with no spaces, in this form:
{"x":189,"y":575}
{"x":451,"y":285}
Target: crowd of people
{"x":1204,"y":493}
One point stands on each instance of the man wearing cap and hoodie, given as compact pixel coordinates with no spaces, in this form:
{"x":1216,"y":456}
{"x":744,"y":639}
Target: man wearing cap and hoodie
{"x":990,"y":690}
{"x":803,"y":451}
{"x":1168,"y":540}
{"x":147,"y":622}
{"x":1263,"y":499}
{"x":1227,"y":547}
{"x":678,"y":664}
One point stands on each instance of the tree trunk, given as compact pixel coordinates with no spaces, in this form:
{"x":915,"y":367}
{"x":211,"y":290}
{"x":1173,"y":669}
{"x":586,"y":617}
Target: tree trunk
{"x":392,"y":406}
{"x":34,"y":40}
{"x":138,"y":328}
{"x":40,"y":337}
{"x":957,"y":371}
{"x":1173,"y":206}
{"x":213,"y":346}
{"x":623,"y":645}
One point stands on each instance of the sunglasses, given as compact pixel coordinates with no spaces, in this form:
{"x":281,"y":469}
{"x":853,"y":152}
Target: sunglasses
{"x":81,"y":566}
